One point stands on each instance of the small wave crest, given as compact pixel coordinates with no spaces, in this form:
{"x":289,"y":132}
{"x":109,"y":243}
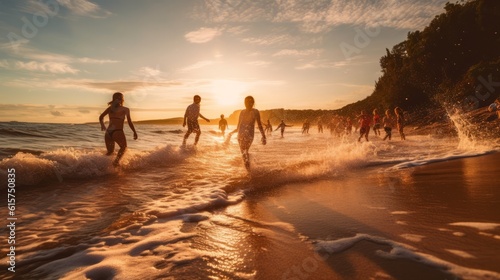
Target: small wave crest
{"x":400,"y":251}
{"x":72,"y":163}
{"x":18,"y":133}
{"x":334,"y":161}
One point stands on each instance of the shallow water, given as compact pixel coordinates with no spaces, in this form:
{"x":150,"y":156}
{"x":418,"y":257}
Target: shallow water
{"x":80,"y":217}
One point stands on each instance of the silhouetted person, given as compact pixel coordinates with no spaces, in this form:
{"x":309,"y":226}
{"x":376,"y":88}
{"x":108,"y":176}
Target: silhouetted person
{"x":388,"y":124}
{"x":305,"y":127}
{"x":246,"y":129}
{"x":191,"y":118}
{"x":282,"y":126}
{"x":364,"y":123}
{"x":400,"y":120}
{"x":348,"y":126}
{"x":376,"y":122}
{"x":114,"y":133}
{"x":269,"y":127}
{"x":223,"y":125}
{"x":320,"y":126}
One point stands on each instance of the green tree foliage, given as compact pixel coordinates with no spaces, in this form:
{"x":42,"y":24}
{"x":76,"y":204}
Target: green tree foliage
{"x":444,"y":63}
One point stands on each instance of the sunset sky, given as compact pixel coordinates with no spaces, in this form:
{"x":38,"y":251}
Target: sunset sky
{"x":61,"y":60}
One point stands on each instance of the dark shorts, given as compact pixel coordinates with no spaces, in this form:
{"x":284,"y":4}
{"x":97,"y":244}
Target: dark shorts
{"x":376,"y":126}
{"x":193,"y":126}
{"x":388,"y":130}
{"x":364,"y":129}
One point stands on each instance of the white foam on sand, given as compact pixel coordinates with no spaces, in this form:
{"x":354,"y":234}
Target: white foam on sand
{"x":460,"y":253}
{"x":479,"y":226}
{"x":404,"y":251}
{"x":412,"y":237}
{"x":400,"y":212}
{"x":127,"y":253}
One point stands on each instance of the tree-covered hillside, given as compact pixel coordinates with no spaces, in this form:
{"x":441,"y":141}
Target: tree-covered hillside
{"x":454,"y":61}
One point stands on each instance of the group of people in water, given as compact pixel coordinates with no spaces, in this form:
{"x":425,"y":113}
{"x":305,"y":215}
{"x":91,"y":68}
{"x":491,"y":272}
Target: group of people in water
{"x":117,"y":114}
{"x":248,"y":118}
{"x":340,"y":125}
{"x":389,"y":121}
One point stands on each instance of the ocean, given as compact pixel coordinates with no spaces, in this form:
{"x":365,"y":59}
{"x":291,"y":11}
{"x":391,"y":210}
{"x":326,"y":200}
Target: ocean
{"x":78,"y":217}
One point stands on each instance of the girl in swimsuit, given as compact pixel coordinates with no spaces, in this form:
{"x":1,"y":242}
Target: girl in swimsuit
{"x":114,"y":133}
{"x":246,"y":129}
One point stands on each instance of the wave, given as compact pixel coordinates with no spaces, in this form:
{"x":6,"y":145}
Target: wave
{"x":404,"y":252}
{"x":6,"y":152}
{"x":420,"y":162}
{"x":333,"y":162}
{"x":19,"y":133}
{"x":65,"y":164}
{"x":174,"y":131}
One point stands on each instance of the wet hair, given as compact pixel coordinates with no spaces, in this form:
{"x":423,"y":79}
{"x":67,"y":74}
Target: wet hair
{"x":116,"y":96}
{"x":196,"y":97}
{"x":222,"y":115}
{"x":249,"y":102}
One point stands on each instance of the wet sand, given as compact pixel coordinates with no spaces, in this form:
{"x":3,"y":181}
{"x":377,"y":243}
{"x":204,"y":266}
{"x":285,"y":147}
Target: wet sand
{"x":441,"y":221}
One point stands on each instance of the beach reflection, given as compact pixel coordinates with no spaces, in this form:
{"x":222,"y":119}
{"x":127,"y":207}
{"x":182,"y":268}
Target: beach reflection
{"x":229,"y":245}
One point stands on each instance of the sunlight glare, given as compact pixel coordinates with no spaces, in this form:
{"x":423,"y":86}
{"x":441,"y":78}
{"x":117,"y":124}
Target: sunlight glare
{"x":229,"y":93}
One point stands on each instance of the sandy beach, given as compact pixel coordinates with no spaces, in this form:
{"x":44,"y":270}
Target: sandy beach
{"x":312,"y":207}
{"x":441,"y":221}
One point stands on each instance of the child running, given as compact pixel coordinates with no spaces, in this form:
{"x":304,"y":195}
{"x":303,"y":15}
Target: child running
{"x":282,"y":126}
{"x":223,"y":125}
{"x":400,"y":120}
{"x":364,"y":122}
{"x":191,"y":118}
{"x":246,"y":129}
{"x":114,"y":133}
{"x":388,"y":124}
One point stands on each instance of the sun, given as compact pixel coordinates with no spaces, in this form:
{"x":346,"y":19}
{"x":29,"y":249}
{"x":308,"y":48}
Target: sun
{"x":229,"y":93}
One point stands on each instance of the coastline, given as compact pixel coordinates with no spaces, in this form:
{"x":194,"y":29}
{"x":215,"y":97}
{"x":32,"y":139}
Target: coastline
{"x":421,"y":207}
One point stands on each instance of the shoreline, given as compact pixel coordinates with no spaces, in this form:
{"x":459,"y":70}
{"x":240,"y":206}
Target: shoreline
{"x":381,"y":206}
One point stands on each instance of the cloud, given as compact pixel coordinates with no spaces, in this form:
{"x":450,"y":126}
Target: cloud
{"x":52,"y":8}
{"x":84,"y":111}
{"x":202,"y":35}
{"x":84,"y":8}
{"x":57,"y":113}
{"x":94,"y":61}
{"x":92,"y":85}
{"x":149,"y":72}
{"x":46,"y":61}
{"x":197,"y":65}
{"x":322,"y":64}
{"x":268,"y":40}
{"x":124,"y":86}
{"x":322,"y":16}
{"x":299,"y":53}
{"x":26,"y":52}
{"x":51,"y":67}
{"x":260,"y":63}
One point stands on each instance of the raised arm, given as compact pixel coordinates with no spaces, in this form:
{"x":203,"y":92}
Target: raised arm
{"x":130,"y":124}
{"x":101,"y":118}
